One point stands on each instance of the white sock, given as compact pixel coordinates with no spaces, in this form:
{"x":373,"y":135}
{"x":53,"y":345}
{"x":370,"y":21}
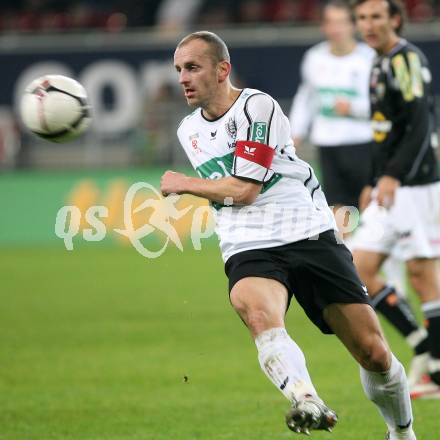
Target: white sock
{"x":284,"y":364}
{"x":389,"y":391}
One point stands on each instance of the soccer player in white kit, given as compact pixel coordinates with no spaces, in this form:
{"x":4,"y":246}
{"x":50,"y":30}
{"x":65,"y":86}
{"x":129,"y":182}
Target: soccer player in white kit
{"x":331,"y":107}
{"x":277,"y":238}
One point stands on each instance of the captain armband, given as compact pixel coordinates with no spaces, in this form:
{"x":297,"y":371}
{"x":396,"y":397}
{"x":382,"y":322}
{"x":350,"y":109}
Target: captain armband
{"x":252,"y":160}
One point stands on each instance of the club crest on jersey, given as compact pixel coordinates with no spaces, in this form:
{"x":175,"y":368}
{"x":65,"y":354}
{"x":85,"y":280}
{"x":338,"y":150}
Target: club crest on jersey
{"x":258,"y":132}
{"x":231,"y":128}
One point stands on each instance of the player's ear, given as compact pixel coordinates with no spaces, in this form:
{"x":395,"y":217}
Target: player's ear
{"x":223,"y":70}
{"x":395,"y":20}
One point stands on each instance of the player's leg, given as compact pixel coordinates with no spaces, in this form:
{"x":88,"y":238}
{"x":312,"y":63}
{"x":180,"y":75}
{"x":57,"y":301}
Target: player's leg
{"x":382,"y":375}
{"x":341,"y":303}
{"x":424,"y":275}
{"x":395,"y":308}
{"x":261,"y":303}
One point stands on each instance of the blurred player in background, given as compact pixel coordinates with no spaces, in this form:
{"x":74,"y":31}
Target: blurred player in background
{"x":403,"y":218}
{"x":277,"y":237}
{"x":332,"y":108}
{"x":333,"y":105}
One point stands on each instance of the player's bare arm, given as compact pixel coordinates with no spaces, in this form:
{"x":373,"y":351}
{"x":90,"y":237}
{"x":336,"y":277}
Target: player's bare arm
{"x":241,"y":192}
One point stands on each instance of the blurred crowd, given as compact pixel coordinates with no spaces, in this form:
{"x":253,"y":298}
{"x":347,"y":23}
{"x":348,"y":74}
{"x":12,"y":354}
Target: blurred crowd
{"x":169,"y":15}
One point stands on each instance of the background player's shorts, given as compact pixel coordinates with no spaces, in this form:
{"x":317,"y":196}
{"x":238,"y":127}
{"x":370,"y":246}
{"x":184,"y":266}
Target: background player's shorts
{"x":410,"y":229}
{"x":318,"y":271}
{"x":345,"y":169}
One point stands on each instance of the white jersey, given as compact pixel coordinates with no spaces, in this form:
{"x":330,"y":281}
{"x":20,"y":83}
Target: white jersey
{"x":325,"y":78}
{"x":252,"y":141}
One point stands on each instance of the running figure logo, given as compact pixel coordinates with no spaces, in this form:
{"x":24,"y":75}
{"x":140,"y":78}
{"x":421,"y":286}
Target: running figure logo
{"x":164,"y":210}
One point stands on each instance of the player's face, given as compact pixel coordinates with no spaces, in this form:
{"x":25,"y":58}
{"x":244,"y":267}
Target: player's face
{"x":198,"y":74}
{"x":376,"y":25}
{"x":337,"y":25}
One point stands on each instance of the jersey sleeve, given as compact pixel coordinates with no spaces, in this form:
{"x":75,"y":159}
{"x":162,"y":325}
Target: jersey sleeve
{"x":360,"y":106}
{"x":255,"y":146}
{"x":409,"y":79}
{"x":303,"y":108}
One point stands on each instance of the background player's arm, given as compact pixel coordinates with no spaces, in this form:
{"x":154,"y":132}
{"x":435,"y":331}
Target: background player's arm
{"x":235,"y":191}
{"x":303,"y":109}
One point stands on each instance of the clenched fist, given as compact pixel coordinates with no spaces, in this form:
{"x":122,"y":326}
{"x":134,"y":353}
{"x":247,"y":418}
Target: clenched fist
{"x":173,"y":183}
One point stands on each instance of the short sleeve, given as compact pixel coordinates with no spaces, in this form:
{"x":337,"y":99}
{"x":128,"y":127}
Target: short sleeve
{"x":253,"y":152}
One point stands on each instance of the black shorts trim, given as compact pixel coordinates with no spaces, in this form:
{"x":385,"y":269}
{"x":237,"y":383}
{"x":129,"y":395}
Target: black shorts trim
{"x":345,"y":170}
{"x":317,"y":271}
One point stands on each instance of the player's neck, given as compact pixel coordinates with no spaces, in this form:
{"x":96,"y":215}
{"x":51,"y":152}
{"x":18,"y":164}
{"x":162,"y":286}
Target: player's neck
{"x":390,"y":45}
{"x":342,"y":48}
{"x":221,"y":104}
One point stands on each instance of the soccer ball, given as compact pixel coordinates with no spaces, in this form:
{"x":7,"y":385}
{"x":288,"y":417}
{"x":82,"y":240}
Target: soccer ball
{"x":55,"y":108}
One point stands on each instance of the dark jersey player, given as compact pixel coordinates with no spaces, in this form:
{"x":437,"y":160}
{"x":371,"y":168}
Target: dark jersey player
{"x":402,"y":108}
{"x":403,"y":217}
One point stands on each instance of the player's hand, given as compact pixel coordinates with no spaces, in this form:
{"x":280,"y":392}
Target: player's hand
{"x":297,"y":142}
{"x":386,"y":190}
{"x":342,"y":107}
{"x":365,"y":197}
{"x":172,"y":183}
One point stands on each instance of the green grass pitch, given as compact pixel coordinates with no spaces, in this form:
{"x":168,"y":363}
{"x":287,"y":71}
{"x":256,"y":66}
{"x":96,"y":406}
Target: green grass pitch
{"x":101,"y":343}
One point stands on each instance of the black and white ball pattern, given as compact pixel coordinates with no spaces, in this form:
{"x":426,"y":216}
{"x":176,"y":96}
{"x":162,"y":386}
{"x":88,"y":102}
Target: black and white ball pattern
{"x":55,"y":108}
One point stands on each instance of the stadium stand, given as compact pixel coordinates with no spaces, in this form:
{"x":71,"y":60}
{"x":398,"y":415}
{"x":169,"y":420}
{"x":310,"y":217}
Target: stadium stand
{"x":118,"y":15}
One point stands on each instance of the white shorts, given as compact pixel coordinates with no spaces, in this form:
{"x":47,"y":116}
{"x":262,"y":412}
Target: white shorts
{"x":409,"y":229}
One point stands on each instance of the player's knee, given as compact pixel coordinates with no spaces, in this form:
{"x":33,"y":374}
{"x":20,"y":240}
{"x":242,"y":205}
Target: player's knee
{"x":417,"y":274}
{"x":375,"y":355}
{"x":258,"y":320}
{"x":240,"y":303}
{"x":254,"y":316}
{"x":416,"y":282}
